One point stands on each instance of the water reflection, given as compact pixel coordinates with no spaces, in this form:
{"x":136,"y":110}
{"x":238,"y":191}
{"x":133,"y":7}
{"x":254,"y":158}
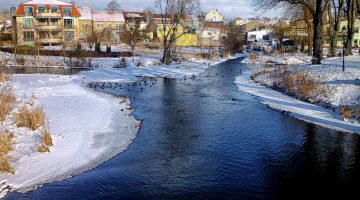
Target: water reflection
{"x":203,"y":139}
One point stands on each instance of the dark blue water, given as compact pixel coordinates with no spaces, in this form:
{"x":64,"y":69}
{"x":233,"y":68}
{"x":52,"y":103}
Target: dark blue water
{"x":203,"y":139}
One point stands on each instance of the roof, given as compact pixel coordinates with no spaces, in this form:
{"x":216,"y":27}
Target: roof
{"x":135,"y":14}
{"x":35,"y":3}
{"x":86,"y":13}
{"x":46,"y":2}
{"x":214,"y":25}
{"x":105,"y":16}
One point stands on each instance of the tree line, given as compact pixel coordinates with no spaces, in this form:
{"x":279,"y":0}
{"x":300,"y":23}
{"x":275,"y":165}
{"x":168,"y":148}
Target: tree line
{"x":316,"y":13}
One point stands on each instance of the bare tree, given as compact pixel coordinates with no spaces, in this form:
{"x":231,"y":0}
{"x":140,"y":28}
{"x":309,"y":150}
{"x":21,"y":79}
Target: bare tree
{"x":350,"y":6}
{"x":316,"y":9}
{"x":334,"y":13}
{"x":132,"y":35}
{"x":173,"y":13}
{"x":113,"y":6}
{"x":233,"y":40}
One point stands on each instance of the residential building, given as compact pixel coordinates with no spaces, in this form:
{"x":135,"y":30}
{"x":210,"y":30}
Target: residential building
{"x":340,"y":39}
{"x":213,"y":29}
{"x":132,"y":17}
{"x":86,"y":22}
{"x":214,"y":16}
{"x":109,"y":24}
{"x":45,"y":22}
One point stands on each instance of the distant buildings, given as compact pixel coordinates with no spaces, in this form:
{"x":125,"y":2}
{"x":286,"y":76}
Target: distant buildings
{"x":45,"y":22}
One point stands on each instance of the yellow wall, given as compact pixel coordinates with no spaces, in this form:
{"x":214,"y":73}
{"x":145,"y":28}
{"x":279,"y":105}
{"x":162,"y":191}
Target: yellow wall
{"x":187,"y":40}
{"x":184,"y":40}
{"x":87,"y":29}
{"x":106,"y":25}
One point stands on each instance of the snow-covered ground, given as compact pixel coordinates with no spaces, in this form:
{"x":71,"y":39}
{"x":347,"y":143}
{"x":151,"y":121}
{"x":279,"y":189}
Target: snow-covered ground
{"x":286,"y":58}
{"x":87,"y":127}
{"x":338,"y":89}
{"x":146,"y":66}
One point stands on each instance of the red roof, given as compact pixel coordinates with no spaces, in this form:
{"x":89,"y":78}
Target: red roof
{"x":214,"y":25}
{"x":20,"y":9}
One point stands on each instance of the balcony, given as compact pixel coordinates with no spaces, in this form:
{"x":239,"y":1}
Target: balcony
{"x":51,"y":40}
{"x":48,"y":27}
{"x":48,"y":15}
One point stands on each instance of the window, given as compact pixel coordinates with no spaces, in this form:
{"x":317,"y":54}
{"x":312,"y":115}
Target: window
{"x":118,"y":26}
{"x":68,"y":36}
{"x":109,"y":26}
{"x":28,"y":23}
{"x":67,"y":11}
{"x":41,"y":9}
{"x":42,"y":22}
{"x":355,"y":42}
{"x":98,"y":25}
{"x":28,"y":36}
{"x":28,"y":11}
{"x":54,"y":22}
{"x":54,"y":9}
{"x":68,"y":23}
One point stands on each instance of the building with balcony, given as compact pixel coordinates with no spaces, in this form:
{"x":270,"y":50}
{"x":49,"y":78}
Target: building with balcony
{"x":45,"y":22}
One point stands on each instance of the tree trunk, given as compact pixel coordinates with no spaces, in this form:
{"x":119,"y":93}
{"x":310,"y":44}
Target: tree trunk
{"x":350,"y":12}
{"x":318,"y":33}
{"x":310,"y":31}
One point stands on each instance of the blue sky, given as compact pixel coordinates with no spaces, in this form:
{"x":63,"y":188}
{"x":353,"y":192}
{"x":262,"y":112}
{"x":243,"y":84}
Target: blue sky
{"x":229,"y":8}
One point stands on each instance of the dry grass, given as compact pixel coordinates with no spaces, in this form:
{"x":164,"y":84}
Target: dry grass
{"x":4,"y":77}
{"x":7,"y":102}
{"x":253,"y":57}
{"x":32,"y":119}
{"x":298,"y":84}
{"x":45,"y":143}
{"x":345,"y":112}
{"x":5,"y":149}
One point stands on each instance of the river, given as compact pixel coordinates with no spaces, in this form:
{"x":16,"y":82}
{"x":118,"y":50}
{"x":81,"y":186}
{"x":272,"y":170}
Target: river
{"x":202,"y":138}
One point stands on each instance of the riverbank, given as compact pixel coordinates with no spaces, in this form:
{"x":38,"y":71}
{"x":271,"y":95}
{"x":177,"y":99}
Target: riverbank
{"x":320,"y":94}
{"x":87,"y":127}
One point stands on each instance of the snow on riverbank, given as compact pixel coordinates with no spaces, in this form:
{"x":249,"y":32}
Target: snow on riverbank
{"x":87,"y":127}
{"x":146,"y":66}
{"x":286,"y":58}
{"x":294,"y":107}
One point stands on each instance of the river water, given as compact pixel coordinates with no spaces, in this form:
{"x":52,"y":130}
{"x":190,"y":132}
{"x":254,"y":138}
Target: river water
{"x":202,"y":138}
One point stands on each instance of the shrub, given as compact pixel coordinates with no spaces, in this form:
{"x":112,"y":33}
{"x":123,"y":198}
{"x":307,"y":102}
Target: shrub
{"x":5,"y":165}
{"x":345,"y":112}
{"x":4,"y":77}
{"x":7,"y":102}
{"x":253,"y":57}
{"x":5,"y":143}
{"x":108,"y":49}
{"x":46,"y":142}
{"x":32,"y":119}
{"x":97,"y":47}
{"x":5,"y":149}
{"x":20,"y":60}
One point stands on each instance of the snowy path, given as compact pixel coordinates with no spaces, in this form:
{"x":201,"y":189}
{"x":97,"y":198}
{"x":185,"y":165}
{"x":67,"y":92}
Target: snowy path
{"x":294,"y":107}
{"x":88,"y":128}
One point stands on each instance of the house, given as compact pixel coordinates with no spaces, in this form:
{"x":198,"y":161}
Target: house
{"x":261,"y":39}
{"x":340,"y":38}
{"x":132,"y":17}
{"x":213,"y":29}
{"x":45,"y":22}
{"x":109,"y":24}
{"x":214,"y":16}
{"x":86,"y":21}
